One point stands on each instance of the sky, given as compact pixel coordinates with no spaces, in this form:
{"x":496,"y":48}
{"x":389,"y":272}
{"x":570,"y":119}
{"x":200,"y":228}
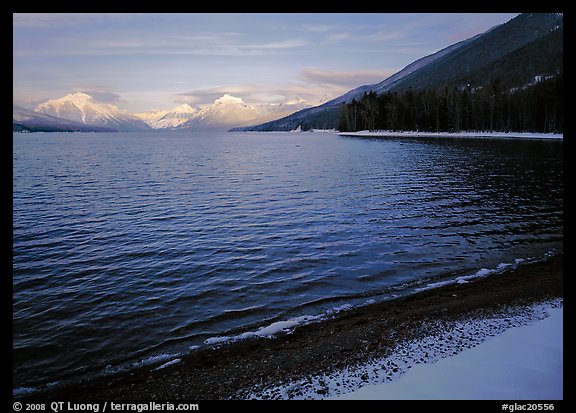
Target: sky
{"x":143,"y":62}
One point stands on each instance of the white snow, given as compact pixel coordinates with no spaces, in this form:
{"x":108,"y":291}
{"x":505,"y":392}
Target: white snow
{"x":512,"y":355}
{"x":169,"y":363}
{"x":226,"y":111}
{"x":21,"y":391}
{"x":169,"y":119}
{"x":81,"y":107}
{"x":266,"y":331}
{"x":283,"y":326}
{"x":481,"y":273}
{"x":523,"y":363}
{"x":468,"y":134}
{"x":156,"y":359}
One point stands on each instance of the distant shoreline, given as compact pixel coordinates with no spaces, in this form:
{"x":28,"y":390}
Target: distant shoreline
{"x":469,"y":134}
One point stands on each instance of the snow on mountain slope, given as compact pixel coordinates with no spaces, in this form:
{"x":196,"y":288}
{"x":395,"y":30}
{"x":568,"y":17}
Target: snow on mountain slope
{"x":81,"y":107}
{"x":168,"y":119}
{"x":225,"y":112}
{"x":30,"y":121}
{"x":152,"y":116}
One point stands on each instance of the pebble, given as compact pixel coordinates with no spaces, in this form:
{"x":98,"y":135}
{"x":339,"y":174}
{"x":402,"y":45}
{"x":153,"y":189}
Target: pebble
{"x":439,"y":341}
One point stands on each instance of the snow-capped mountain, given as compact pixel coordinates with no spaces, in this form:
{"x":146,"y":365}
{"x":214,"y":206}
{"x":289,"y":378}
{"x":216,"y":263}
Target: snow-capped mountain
{"x":169,"y":119}
{"x":287,"y":106}
{"x":225,"y":112}
{"x":26,"y":120}
{"x":230,"y":111}
{"x":81,"y":107}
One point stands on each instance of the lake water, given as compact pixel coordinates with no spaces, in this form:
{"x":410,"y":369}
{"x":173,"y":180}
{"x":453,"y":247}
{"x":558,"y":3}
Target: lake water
{"x":134,"y":248}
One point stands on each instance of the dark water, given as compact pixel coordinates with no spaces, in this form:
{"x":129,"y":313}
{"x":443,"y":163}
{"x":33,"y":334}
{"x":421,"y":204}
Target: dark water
{"x":131,"y":248}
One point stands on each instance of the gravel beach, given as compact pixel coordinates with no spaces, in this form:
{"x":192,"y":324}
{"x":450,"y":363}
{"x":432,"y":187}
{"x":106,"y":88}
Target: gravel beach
{"x":249,"y":368}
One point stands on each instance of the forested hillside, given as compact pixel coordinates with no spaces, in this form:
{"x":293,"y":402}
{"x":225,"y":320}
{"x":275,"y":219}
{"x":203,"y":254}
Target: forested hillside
{"x":508,"y":78}
{"x":537,"y":107}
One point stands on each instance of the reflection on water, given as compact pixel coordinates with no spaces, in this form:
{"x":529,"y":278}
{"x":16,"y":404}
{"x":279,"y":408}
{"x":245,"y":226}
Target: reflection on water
{"x":127,"y":246}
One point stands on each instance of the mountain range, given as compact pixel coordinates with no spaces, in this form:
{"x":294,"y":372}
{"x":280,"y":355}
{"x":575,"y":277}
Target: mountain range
{"x":26,"y":120}
{"x":81,"y":112}
{"x":82,"y":108}
{"x":514,"y":53}
{"x":225,"y":112}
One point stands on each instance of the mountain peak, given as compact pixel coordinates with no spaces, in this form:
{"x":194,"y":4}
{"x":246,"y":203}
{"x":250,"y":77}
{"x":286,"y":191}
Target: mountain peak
{"x":184,"y":108}
{"x":79,"y":95}
{"x":81,"y":107}
{"x":79,"y":99}
{"x":229,"y":99}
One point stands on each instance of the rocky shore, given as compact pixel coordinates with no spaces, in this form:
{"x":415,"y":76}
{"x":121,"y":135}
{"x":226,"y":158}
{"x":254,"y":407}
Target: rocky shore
{"x":244,"y":369}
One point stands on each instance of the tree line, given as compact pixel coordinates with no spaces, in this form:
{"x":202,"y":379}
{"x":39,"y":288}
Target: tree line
{"x":537,"y":107}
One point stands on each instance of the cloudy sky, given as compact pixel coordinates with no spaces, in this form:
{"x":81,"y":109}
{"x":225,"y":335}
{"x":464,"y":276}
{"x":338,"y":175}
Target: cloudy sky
{"x":144,"y":62}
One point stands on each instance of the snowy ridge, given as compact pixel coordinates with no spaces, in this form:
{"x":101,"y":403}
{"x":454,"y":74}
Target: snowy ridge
{"x":392,"y":80}
{"x":81,"y":107}
{"x":169,"y":119}
{"x":35,"y":121}
{"x":225,"y":112}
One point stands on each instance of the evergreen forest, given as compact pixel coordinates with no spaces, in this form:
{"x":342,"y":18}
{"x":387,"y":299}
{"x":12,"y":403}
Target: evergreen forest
{"x":537,"y":107}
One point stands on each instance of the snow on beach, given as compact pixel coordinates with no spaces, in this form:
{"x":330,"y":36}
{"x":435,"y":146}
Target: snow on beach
{"x":468,"y":134}
{"x":515,"y":354}
{"x":523,"y":363}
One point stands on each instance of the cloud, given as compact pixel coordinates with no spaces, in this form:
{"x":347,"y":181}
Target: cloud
{"x":313,"y":85}
{"x":321,"y":28}
{"x":56,"y":20}
{"x":285,"y":44}
{"x":27,"y":101}
{"x":260,"y":93}
{"x":250,"y":92}
{"x":102,"y":96}
{"x":204,"y":96}
{"x":349,"y":79}
{"x":215,"y":44}
{"x":100,"y":92}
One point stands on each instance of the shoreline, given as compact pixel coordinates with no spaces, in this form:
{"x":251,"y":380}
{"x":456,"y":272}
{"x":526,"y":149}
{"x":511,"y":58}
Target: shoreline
{"x":238,"y":370}
{"x":521,"y":362}
{"x":465,"y":134}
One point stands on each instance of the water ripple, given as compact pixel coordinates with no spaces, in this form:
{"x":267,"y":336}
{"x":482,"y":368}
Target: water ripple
{"x":135,"y":245}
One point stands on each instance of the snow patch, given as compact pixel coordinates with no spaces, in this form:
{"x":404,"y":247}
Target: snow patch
{"x":155,"y":359}
{"x":467,"y":134}
{"x":169,"y":363}
{"x":522,"y":363}
{"x":81,"y":107}
{"x":284,"y":326}
{"x":21,"y":391}
{"x":483,"y":272}
{"x":514,"y":345}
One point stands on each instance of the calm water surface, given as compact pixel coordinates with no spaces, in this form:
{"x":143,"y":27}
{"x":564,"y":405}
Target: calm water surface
{"x":133,"y":248}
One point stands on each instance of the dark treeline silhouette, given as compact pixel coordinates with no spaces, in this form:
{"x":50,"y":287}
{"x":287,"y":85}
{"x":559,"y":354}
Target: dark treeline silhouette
{"x":537,"y":107}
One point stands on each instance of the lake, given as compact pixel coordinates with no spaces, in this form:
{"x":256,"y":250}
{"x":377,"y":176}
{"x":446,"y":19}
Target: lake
{"x":136,"y":248}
